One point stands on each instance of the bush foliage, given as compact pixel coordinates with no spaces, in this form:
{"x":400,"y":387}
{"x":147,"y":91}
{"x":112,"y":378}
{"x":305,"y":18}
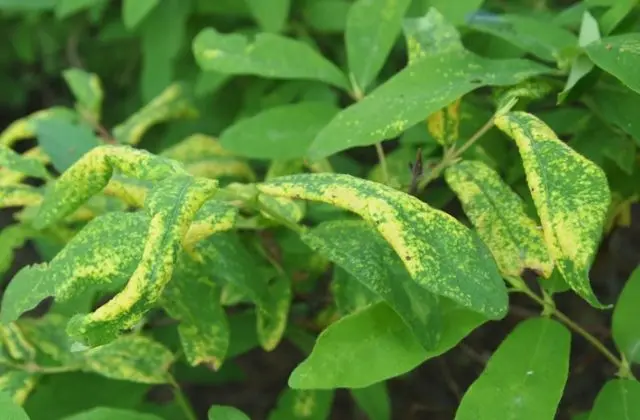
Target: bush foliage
{"x":193,"y":173}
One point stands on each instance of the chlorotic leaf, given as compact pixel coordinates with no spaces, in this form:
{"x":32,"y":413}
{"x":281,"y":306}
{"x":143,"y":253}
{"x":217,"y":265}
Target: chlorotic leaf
{"x":92,"y":172}
{"x":134,"y":11}
{"x":18,"y":384}
{"x":10,"y":160}
{"x":222,"y":412}
{"x":618,"y":55}
{"x":440,"y":254}
{"x":19,"y":195}
{"x":204,"y":156}
{"x":171,"y":104}
{"x":296,"y":404}
{"x":272,"y":320}
{"x":269,"y":55}
{"x":64,"y":142}
{"x":414,"y":93}
{"x":525,"y":376}
{"x":25,"y":128}
{"x":618,"y":399}
{"x":49,"y":337}
{"x":571,"y":195}
{"x":270,"y":15}
{"x":374,"y":400}
{"x":15,"y":344}
{"x":372,"y":29}
{"x":193,"y":298}
{"x":283,"y":132}
{"x":109,"y":413}
{"x":103,"y":254}
{"x":499,"y":216}
{"x":359,"y":249}
{"x":623,"y":324}
{"x":12,"y":237}
{"x":171,"y":207}
{"x":374,"y":344}
{"x":130,"y":358}
{"x":430,"y":34}
{"x":443,"y":124}
{"x":11,"y":410}
{"x":87,"y":89}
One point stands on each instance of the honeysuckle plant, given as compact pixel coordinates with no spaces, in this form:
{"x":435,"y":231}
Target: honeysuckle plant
{"x":154,"y":257}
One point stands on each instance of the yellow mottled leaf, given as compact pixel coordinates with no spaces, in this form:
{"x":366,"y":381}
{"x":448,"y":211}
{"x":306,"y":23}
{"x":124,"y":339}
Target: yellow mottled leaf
{"x":15,"y":343}
{"x":19,"y":196}
{"x":439,"y":253}
{"x":172,"y":205}
{"x":499,"y":216}
{"x":18,"y":384}
{"x":92,"y":172}
{"x":571,"y":195}
{"x":443,"y":124}
{"x":25,"y":128}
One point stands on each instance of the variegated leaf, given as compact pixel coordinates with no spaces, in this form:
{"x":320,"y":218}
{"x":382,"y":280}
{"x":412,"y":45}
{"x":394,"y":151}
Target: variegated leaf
{"x":443,"y":124}
{"x":19,"y":196}
{"x":15,"y":344}
{"x":25,"y":128}
{"x":171,"y":207}
{"x":499,"y":216}
{"x":91,"y":174}
{"x":439,"y":252}
{"x":12,"y":161}
{"x":571,"y":195}
{"x":17,"y":383}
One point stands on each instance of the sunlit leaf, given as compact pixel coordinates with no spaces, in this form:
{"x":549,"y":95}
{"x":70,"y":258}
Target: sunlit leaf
{"x":618,"y":55}
{"x":525,"y":376}
{"x":499,"y":216}
{"x":283,"y":132}
{"x":372,"y":29}
{"x":414,"y":93}
{"x":374,"y":344}
{"x":571,"y":195}
{"x":268,"y":55}
{"x":430,"y":34}
{"x":10,"y":409}
{"x":440,"y":254}
{"x":173,"y":103}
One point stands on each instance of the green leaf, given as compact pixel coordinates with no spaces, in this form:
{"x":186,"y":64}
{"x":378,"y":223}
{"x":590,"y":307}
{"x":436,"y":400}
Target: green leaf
{"x":269,"y":55}
{"x":582,"y":65}
{"x":624,"y":322}
{"x":363,"y":253}
{"x":373,"y":345}
{"x":193,"y":298}
{"x":134,"y":11}
{"x":618,"y":107}
{"x":271,"y":15}
{"x":283,"y":132}
{"x":15,"y":344}
{"x":327,"y":15}
{"x":11,"y":410}
{"x":104,"y":253}
{"x":221,"y":412}
{"x":571,"y":195}
{"x":173,"y":103}
{"x":618,"y":55}
{"x":374,"y":401}
{"x":20,"y":5}
{"x":65,"y":8}
{"x":11,"y":238}
{"x":430,"y":34}
{"x":64,"y":142}
{"x":499,"y":216}
{"x":51,"y":399}
{"x":171,"y":207}
{"x":457,"y":11}
{"x":618,"y":399}
{"x":525,"y":376}
{"x":87,"y":89}
{"x":296,"y":404}
{"x":349,"y":294}
{"x":107,"y":413}
{"x":619,"y":147}
{"x":440,"y":254}
{"x":91,"y":173}
{"x":372,"y":29}
{"x":272,"y":319}
{"x":130,"y":358}
{"x":25,"y":128}
{"x":10,"y":160}
{"x":414,"y":93}
{"x":538,"y":36}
